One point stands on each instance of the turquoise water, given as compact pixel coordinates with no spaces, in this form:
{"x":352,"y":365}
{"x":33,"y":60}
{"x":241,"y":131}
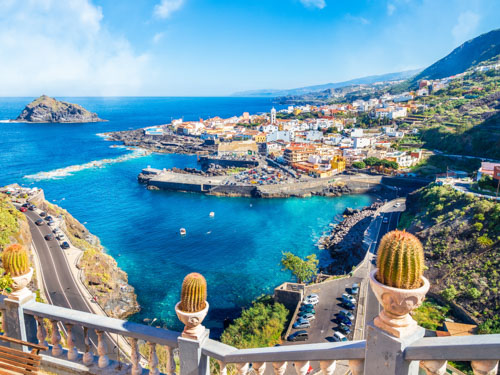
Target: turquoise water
{"x":238,"y":250}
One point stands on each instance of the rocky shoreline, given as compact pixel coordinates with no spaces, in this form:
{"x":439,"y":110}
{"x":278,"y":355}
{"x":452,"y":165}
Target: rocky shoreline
{"x":345,"y":242}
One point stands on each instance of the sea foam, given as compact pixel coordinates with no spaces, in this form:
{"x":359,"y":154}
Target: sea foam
{"x":60,"y":173}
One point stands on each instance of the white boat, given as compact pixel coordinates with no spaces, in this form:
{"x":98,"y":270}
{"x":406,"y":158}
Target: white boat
{"x":182,"y":231}
{"x":212,"y":214}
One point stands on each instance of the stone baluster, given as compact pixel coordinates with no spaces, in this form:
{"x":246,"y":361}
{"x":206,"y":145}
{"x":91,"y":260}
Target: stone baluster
{"x":41,"y":332}
{"x":72,"y":352}
{"x":301,"y":367}
{"x":487,"y":367}
{"x":135,"y":357}
{"x":4,"y":313}
{"x":55,"y":339}
{"x":357,"y":366}
{"x":170,"y":361}
{"x":259,"y":367}
{"x":437,"y":367}
{"x":222,"y":368}
{"x":242,"y":368}
{"x":101,"y":350}
{"x":279,"y":368}
{"x":153,"y":359}
{"x":327,"y":367}
{"x":88,"y":357}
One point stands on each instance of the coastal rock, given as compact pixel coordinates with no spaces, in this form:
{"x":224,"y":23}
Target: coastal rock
{"x":46,"y":109}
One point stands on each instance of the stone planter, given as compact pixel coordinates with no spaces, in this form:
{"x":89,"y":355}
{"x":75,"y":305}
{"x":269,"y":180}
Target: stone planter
{"x":397,"y":304}
{"x":193,"y":329}
{"x":19,"y":290}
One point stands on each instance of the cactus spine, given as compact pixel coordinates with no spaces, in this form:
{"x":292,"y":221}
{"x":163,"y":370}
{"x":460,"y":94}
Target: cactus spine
{"x":194,"y":293}
{"x":15,"y":260}
{"x":400,"y":260}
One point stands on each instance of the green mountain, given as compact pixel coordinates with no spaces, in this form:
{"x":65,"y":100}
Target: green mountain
{"x":469,"y":54}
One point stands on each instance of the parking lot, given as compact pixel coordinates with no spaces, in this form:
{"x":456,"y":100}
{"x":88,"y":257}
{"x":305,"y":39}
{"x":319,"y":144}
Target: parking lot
{"x":330,"y":303}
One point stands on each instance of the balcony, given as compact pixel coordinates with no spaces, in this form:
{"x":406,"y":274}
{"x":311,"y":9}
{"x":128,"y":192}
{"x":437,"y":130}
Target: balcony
{"x":87,"y":339}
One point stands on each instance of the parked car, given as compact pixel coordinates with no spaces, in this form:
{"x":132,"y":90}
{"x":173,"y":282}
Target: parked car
{"x":343,"y":319}
{"x":59,"y":237}
{"x":348,"y":297}
{"x":49,"y":237}
{"x":344,"y":328}
{"x":355,"y":288}
{"x":42,"y":214}
{"x":39,"y":222}
{"x":302,"y":324}
{"x":339,"y":337}
{"x":48,"y":218}
{"x":311,"y":299}
{"x":32,"y":207}
{"x":348,"y":305}
{"x":385,"y":220}
{"x":51,"y":223}
{"x":347,"y":314}
{"x":65,"y":245}
{"x":308,"y":311}
{"x":298,"y":336}
{"x":25,"y":205}
{"x":308,"y":316}
{"x":306,"y":307}
{"x":23,"y":209}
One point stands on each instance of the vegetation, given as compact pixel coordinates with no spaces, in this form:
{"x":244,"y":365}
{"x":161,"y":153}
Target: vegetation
{"x":15,"y":260}
{"x":9,"y":225}
{"x":430,"y":314}
{"x":400,"y":260}
{"x":194,"y":293}
{"x":440,"y":164}
{"x":461,"y":236}
{"x":260,"y":325}
{"x":359,"y":165}
{"x":376,"y":162}
{"x":303,"y":269}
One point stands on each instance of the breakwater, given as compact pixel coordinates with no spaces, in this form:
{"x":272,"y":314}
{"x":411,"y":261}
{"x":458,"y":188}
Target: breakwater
{"x":205,"y":162}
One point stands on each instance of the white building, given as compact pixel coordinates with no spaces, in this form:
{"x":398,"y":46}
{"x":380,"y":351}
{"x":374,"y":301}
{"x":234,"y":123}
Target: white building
{"x":273,"y":116}
{"x":281,"y":135}
{"x":357,"y":132}
{"x":361,"y":142}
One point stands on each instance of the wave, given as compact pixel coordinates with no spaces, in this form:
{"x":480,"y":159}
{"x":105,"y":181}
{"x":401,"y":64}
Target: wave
{"x":69,"y":171}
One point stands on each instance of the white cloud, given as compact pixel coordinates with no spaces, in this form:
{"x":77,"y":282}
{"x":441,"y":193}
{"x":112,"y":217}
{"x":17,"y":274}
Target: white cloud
{"x":357,"y":19}
{"x":390,"y":9}
{"x":320,"y":4}
{"x":465,"y":27}
{"x":166,"y":7}
{"x":157,"y":37}
{"x":62,"y":48}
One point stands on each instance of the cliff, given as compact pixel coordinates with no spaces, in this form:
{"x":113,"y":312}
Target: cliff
{"x":101,"y":274}
{"x":14,"y":226}
{"x":46,"y":109}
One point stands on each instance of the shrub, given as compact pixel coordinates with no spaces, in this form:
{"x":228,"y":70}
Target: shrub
{"x":484,"y":241}
{"x":449,"y":293}
{"x":478,"y":226}
{"x":359,"y":165}
{"x":473,"y":293}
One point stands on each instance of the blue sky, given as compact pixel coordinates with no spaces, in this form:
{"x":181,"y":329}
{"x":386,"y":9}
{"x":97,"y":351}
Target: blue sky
{"x":217,"y":47}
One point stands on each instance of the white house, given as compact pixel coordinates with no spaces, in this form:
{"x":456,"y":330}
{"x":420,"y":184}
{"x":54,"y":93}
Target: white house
{"x":281,"y":135}
{"x":357,"y":132}
{"x":361,"y":142}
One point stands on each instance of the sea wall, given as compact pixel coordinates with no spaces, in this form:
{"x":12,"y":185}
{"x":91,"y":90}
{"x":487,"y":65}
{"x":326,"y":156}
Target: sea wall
{"x":238,"y":163}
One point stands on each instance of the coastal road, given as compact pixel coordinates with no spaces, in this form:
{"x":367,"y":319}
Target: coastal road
{"x":58,"y":281}
{"x":392,"y":214}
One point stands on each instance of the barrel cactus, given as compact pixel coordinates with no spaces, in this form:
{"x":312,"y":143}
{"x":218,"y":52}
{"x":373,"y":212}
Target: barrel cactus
{"x":15,"y":260}
{"x":400,"y":260}
{"x":194,"y":293}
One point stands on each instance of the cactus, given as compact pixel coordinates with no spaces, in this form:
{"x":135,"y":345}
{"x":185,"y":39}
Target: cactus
{"x":400,"y":260}
{"x":194,"y":293}
{"x":15,"y":260}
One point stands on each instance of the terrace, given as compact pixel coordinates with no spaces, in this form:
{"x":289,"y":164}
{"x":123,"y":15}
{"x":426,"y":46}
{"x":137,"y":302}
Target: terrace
{"x":394,"y":347}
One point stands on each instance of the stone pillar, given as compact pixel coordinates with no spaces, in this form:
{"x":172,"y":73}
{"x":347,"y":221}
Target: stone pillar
{"x":385,"y":353}
{"x":16,"y":324}
{"x":192,"y":361}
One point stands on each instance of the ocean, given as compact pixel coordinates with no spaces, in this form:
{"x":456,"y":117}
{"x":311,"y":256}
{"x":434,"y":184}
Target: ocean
{"x":238,"y":250}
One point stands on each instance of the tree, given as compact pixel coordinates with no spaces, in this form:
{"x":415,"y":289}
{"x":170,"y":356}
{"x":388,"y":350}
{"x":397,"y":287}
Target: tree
{"x":302,"y":269}
{"x":359,"y":165}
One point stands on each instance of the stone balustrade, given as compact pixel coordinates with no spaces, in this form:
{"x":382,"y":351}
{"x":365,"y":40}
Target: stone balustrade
{"x":380,"y":353}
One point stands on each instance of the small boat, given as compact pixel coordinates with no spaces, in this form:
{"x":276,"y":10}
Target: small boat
{"x":212,"y":214}
{"x":182,"y":232}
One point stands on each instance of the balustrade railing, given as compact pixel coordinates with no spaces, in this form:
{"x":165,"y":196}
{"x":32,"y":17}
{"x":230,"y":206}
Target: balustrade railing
{"x":40,"y":322}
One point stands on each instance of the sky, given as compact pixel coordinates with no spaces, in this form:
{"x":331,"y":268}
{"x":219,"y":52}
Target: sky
{"x":218,"y":47}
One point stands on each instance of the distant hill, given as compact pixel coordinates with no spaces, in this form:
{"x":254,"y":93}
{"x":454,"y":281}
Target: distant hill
{"x":469,"y":54}
{"x":46,"y":109}
{"x":357,"y":81}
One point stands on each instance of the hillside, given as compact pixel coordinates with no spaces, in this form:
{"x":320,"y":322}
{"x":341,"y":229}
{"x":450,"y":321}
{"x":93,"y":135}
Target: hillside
{"x":461,"y":237}
{"x":46,"y":109}
{"x":327,"y":86}
{"x":469,"y":54}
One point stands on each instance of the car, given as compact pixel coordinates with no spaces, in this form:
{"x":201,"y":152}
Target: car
{"x":308,"y":316}
{"x":385,"y":220}
{"x":307,"y":308}
{"x":347,"y":314}
{"x":59,"y":237}
{"x":313,"y":295}
{"x":348,"y":297}
{"x":298,"y":336}
{"x":344,"y":328}
{"x":39,"y":222}
{"x":339,"y":337}
{"x":42,"y":214}
{"x":355,"y":288}
{"x":397,"y":204}
{"x":49,"y":237}
{"x":23,"y":209}
{"x":25,"y":205}
{"x":65,"y":245}
{"x":343,"y":319}
{"x":302,"y":324}
{"x":348,"y":305}
{"x":51,"y":223}
{"x":56,"y":231}
{"x":48,"y":218}
{"x":311,"y":299}
{"x":32,"y":207}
